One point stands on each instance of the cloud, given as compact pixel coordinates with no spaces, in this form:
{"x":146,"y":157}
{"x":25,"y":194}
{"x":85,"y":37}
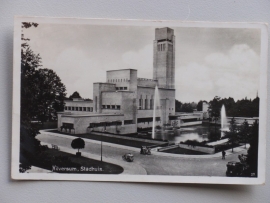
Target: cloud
{"x":231,"y":74}
{"x":142,"y":60}
{"x":78,"y":72}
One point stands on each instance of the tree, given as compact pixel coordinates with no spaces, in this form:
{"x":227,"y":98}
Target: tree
{"x":252,"y":159}
{"x":42,"y":95}
{"x":200,"y":105}
{"x":42,"y":92}
{"x":75,"y":95}
{"x":78,"y":143}
{"x":233,"y":133}
{"x":244,"y":132}
{"x":214,"y":108}
{"x":178,"y":105}
{"x":29,"y":145}
{"x":50,"y":96}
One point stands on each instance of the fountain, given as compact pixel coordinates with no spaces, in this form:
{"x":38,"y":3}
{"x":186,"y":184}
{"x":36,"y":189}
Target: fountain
{"x":224,"y":121}
{"x":155,"y":108}
{"x":223,"y":118}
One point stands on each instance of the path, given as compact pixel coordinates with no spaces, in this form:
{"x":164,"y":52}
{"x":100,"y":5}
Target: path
{"x":155,"y":164}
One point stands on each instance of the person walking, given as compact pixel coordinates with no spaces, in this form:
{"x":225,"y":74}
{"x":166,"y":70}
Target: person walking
{"x":223,"y":154}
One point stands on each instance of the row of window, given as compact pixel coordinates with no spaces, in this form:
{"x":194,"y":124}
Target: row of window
{"x":118,"y":80}
{"x":113,"y":123}
{"x":162,"y":47}
{"x":73,"y":108}
{"x":118,"y":107}
{"x":121,"y":88}
{"x":149,"y":119}
{"x":143,"y":104}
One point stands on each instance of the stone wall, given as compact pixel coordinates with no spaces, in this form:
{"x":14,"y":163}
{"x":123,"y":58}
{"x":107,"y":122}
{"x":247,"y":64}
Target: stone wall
{"x":207,"y":150}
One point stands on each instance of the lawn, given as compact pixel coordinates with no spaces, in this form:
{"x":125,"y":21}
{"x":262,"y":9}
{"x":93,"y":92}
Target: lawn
{"x":179,"y":150}
{"x":114,"y":140}
{"x":61,"y":162}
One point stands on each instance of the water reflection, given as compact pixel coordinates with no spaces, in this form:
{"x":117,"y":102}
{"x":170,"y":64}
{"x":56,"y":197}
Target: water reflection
{"x":199,"y":133}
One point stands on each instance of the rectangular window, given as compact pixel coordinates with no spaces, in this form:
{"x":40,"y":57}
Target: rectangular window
{"x":88,"y":108}
{"x":121,"y":88}
{"x":146,"y":104}
{"x":91,"y":109}
{"x":65,"y":108}
{"x":118,"y":107}
{"x":72,"y":108}
{"x":113,"y":106}
{"x":125,"y":88}
{"x":103,"y":106}
{"x":84,"y":108}
{"x":80,"y":108}
{"x":128,"y":122}
{"x":76,"y":108}
{"x":68,"y":125}
{"x":140,"y":104}
{"x":117,"y":88}
{"x":144,"y":120}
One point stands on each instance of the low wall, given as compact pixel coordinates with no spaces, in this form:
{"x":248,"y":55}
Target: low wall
{"x":191,"y":123}
{"x":207,"y":150}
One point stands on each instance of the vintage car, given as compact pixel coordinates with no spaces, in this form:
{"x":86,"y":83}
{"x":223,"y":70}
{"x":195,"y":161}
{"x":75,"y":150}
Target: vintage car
{"x":128,"y":157}
{"x":235,"y":169}
{"x":145,"y":150}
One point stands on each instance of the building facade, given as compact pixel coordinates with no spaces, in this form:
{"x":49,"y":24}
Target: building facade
{"x":124,"y":104}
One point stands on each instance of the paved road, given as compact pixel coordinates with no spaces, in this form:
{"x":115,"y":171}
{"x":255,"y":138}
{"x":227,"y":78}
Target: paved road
{"x":153,"y":164}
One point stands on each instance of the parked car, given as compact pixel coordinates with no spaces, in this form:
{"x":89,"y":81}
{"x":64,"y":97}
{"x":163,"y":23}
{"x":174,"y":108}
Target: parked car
{"x":145,"y":150}
{"x":128,"y":157}
{"x":235,"y":169}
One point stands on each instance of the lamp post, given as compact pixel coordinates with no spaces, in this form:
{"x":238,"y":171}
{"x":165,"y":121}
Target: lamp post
{"x":101,"y":151}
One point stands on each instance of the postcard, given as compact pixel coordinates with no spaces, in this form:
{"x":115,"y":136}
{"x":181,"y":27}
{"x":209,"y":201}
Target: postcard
{"x":139,"y":101}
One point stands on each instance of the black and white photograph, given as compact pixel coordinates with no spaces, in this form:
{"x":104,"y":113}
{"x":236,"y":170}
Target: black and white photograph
{"x":139,"y":101}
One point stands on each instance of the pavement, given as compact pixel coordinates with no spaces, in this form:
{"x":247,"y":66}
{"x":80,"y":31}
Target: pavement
{"x":156,"y":164}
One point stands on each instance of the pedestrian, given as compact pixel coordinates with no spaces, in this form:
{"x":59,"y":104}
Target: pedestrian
{"x":223,"y":154}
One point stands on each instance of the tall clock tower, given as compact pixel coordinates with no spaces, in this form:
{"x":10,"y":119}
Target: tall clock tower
{"x":164,"y":57}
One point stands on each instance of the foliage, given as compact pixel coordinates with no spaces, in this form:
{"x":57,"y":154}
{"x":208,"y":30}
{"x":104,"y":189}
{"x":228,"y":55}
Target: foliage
{"x":24,"y":167}
{"x":214,"y":108}
{"x":78,"y":143}
{"x":178,"y":105}
{"x":244,"y":133}
{"x":185,"y":107}
{"x":233,"y":133}
{"x":42,"y":92}
{"x":200,"y":105}
{"x":42,"y":95}
{"x":241,"y":108}
{"x":252,"y":159}
{"x":75,"y":95}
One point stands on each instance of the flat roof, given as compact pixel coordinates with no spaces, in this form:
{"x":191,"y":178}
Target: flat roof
{"x":121,"y":69}
{"x":104,"y":83}
{"x":155,"y":87}
{"x":120,"y":91}
{"x":91,"y":115}
{"x":91,"y":101}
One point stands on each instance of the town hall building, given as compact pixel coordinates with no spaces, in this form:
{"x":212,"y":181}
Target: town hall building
{"x":124,"y":103}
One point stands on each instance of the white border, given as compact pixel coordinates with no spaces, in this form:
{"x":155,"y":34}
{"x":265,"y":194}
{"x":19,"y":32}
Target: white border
{"x":137,"y":178}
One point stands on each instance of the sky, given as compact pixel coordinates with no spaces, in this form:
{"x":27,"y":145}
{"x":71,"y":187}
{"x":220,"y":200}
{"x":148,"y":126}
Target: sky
{"x":209,"y":62}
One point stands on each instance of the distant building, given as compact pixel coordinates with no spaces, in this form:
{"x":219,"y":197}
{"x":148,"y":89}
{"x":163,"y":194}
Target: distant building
{"x":181,"y":119}
{"x":124,"y":103}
